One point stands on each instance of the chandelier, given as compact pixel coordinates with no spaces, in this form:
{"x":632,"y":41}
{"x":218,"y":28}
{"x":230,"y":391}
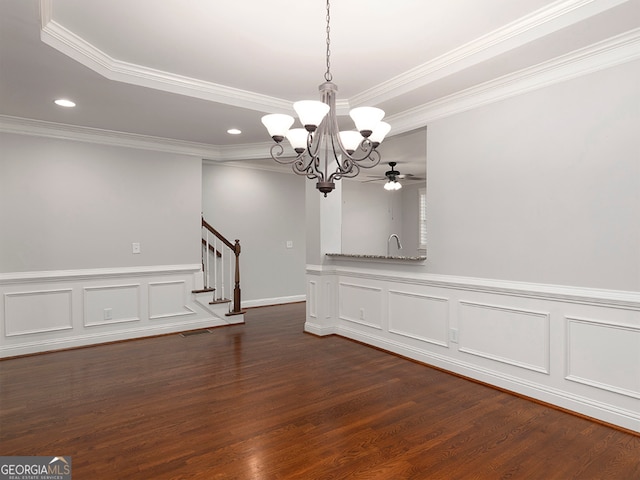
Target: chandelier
{"x":323,"y":152}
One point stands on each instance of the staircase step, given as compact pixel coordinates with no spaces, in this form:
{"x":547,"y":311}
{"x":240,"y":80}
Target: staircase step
{"x":220,"y":300}
{"x":204,"y":290}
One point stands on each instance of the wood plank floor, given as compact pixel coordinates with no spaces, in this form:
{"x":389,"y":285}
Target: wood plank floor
{"x":265,"y":401}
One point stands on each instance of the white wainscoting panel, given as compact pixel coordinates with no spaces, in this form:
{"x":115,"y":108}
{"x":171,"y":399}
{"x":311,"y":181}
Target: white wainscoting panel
{"x":509,"y":335}
{"x":533,"y":339}
{"x":321,"y":301}
{"x":329,"y":300}
{"x":168,"y":299}
{"x":604,"y":355}
{"x":361,"y":304}
{"x":422,"y":317}
{"x":52,"y":310}
{"x":37,"y":311}
{"x":312,"y":298}
{"x":123,"y":302}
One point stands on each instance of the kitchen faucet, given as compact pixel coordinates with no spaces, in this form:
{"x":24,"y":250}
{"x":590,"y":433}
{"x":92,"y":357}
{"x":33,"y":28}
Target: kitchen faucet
{"x":393,"y":235}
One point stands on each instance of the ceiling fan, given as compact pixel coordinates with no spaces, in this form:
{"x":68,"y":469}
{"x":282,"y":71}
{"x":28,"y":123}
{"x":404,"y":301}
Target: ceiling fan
{"x":393,"y":175}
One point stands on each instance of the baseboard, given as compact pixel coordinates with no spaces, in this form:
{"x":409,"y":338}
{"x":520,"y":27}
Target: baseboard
{"x":76,"y":341}
{"x":319,"y":330}
{"x":586,"y":406}
{"x":262,"y":302}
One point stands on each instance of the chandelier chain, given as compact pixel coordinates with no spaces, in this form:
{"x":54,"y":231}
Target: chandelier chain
{"x":327,"y":76}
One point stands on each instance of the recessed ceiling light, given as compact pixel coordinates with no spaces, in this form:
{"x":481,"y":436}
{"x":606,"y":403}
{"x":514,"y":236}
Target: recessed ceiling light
{"x":63,"y":102}
{"x":234,"y":131}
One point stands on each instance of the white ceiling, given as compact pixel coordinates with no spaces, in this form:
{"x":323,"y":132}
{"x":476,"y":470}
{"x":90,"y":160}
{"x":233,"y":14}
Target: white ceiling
{"x":186,"y":71}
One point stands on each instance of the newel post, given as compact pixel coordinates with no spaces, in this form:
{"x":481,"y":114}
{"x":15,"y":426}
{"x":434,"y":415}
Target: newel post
{"x":236,"y":291}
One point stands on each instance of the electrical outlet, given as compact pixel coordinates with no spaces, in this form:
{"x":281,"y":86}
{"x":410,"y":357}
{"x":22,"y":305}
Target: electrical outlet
{"x":362,"y":314}
{"x":453,"y":335}
{"x":135,"y":247}
{"x":108,"y":314}
{"x":289,"y":243}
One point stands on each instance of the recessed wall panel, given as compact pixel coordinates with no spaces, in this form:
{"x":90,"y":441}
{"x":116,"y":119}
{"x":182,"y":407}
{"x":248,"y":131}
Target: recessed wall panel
{"x":37,"y":311}
{"x":109,"y":304}
{"x":361,"y":304}
{"x":422,"y":317}
{"x":328,"y":300}
{"x":509,"y":335}
{"x":604,"y":355}
{"x":167,"y":299}
{"x":312,"y":295}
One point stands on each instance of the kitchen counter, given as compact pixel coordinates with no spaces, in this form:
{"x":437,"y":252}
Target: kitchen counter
{"x":384,"y":258}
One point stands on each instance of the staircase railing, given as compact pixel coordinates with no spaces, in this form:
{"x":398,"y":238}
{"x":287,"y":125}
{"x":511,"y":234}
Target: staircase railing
{"x":218,"y":265}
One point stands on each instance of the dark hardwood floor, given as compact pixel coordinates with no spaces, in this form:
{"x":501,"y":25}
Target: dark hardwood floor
{"x":265,"y":401}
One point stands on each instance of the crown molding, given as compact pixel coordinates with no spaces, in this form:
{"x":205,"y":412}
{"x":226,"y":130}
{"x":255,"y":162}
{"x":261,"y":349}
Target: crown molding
{"x":247,"y":151}
{"x":530,"y":27}
{"x":554,"y":17}
{"x":609,"y":53}
{"x":75,"y":47}
{"x":40,"y":128}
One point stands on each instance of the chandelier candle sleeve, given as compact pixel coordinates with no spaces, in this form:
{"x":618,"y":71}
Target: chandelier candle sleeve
{"x":323,"y":152}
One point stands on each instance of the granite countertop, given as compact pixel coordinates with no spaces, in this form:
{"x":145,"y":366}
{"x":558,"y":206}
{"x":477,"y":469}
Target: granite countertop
{"x":357,"y":256}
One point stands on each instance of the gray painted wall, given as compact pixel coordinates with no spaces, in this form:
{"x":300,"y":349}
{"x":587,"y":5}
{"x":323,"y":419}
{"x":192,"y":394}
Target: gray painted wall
{"x":69,"y":205}
{"x":410,"y":219}
{"x":543,"y":187}
{"x":263,"y":210}
{"x":370,"y":214}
